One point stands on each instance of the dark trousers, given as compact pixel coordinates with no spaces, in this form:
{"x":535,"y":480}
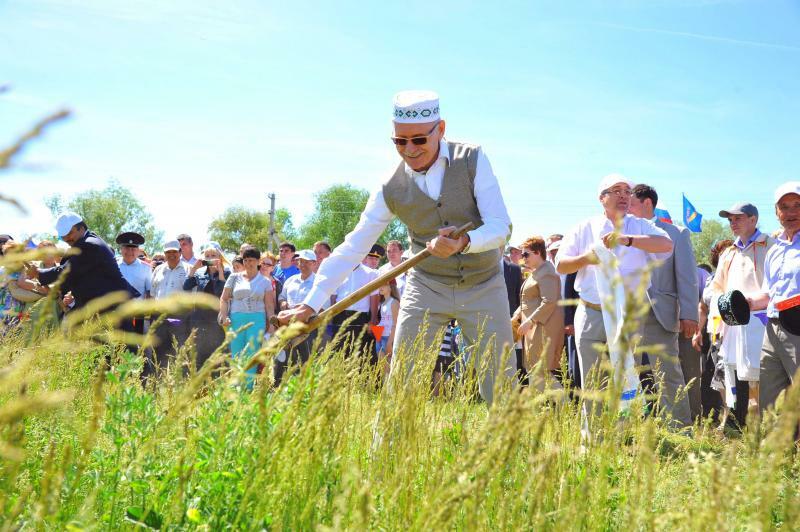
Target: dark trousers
{"x":172,"y":331}
{"x":573,"y":367}
{"x":209,"y":334}
{"x":710,"y":399}
{"x":295,"y":356}
{"x":356,"y":337}
{"x":742,"y":400}
{"x":522,"y":373}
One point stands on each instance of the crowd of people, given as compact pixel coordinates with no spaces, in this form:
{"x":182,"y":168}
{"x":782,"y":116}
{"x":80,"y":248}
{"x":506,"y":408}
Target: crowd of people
{"x":716,"y":339}
{"x":251,"y":287}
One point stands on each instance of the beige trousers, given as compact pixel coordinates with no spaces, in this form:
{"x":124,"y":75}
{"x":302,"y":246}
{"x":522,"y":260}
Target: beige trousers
{"x":778,"y":363}
{"x":589,"y":331}
{"x":481,"y":311}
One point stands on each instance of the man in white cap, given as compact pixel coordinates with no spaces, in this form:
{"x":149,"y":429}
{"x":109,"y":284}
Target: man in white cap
{"x":294,"y":292}
{"x":780,"y":352}
{"x":636,"y":243}
{"x":438,"y":186}
{"x":168,"y":279}
{"x":91,"y":273}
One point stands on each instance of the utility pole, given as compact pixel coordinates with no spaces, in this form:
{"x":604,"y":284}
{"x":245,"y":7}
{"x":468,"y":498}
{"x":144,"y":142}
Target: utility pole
{"x":272,"y":231}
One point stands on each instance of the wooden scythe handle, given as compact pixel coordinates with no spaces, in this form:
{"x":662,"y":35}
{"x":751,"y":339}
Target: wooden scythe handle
{"x":370,"y":287}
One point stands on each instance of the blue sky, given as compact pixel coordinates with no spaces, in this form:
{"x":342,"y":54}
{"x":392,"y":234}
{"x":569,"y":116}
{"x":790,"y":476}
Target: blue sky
{"x":196,"y":106}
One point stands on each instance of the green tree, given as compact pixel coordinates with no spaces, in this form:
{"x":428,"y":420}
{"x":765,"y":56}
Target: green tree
{"x":239,"y":225}
{"x":336,"y":212}
{"x":111,"y":211}
{"x":712,"y":230}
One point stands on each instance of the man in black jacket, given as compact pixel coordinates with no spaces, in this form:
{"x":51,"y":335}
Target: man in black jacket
{"x":92,"y":273}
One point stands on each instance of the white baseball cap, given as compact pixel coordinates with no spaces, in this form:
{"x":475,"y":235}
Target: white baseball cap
{"x":306,"y":254}
{"x":612,"y":179}
{"x":790,"y":187}
{"x":172,"y":245}
{"x":66,"y":221}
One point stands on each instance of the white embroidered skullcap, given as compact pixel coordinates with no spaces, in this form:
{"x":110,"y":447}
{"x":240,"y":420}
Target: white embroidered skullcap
{"x":416,"y":107}
{"x":612,"y":179}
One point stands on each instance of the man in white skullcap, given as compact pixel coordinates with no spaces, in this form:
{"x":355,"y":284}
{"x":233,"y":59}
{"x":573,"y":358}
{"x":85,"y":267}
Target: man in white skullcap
{"x":439,"y":185}
{"x":637,"y":242}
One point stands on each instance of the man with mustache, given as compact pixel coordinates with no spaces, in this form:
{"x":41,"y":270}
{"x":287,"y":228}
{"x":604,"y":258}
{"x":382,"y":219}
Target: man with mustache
{"x":438,"y":186}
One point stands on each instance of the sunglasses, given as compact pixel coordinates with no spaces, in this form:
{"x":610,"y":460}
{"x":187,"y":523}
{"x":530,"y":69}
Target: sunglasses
{"x":525,"y":254}
{"x":419,"y":140}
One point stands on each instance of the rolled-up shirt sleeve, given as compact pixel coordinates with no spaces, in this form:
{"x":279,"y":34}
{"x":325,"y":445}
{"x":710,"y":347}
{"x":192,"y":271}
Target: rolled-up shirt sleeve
{"x":335,"y":269}
{"x":496,"y":222}
{"x":648,"y":228}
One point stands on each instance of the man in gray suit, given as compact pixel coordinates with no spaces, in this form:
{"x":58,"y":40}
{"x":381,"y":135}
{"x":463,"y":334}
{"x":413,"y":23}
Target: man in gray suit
{"x":673,"y":296}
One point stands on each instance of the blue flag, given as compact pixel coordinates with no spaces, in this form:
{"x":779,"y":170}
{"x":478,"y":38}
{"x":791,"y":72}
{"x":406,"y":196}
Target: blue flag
{"x":663,"y":215}
{"x":691,"y":218}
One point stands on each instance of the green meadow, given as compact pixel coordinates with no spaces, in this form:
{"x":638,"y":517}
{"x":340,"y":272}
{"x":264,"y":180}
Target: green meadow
{"x":84,"y":447}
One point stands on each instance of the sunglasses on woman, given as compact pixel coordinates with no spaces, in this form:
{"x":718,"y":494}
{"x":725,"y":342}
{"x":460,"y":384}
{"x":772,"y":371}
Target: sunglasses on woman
{"x":525,"y":254}
{"x":418,"y":140}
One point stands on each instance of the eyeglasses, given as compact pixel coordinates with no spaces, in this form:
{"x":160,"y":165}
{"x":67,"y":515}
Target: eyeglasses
{"x":525,"y":254}
{"x":267,"y":264}
{"x":619,"y":193}
{"x":419,"y":140}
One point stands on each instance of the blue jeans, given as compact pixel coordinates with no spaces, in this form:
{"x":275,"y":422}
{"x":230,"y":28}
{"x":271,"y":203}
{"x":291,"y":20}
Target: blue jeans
{"x":380,"y":347}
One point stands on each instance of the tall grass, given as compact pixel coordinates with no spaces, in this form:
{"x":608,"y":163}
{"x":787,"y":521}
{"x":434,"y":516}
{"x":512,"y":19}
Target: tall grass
{"x":86,"y":448}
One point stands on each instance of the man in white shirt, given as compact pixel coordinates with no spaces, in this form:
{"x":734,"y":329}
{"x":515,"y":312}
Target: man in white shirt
{"x":297,"y":287}
{"x":294,"y":292}
{"x":137,"y":273}
{"x":438,"y":186}
{"x":355,"y":336}
{"x":168,"y":279}
{"x":374,"y":257}
{"x":187,"y":249}
{"x":636,"y":243}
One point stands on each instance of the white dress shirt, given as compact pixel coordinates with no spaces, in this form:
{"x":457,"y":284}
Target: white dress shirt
{"x":631,"y":260}
{"x":376,"y":216}
{"x":167,"y":281}
{"x":138,"y":274}
{"x":295,"y":290}
{"x":357,"y":278}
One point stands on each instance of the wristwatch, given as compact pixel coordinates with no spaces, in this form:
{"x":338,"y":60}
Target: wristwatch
{"x":630,"y":242}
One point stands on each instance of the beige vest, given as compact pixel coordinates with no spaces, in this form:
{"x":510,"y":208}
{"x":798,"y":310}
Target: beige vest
{"x":455,"y":206}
